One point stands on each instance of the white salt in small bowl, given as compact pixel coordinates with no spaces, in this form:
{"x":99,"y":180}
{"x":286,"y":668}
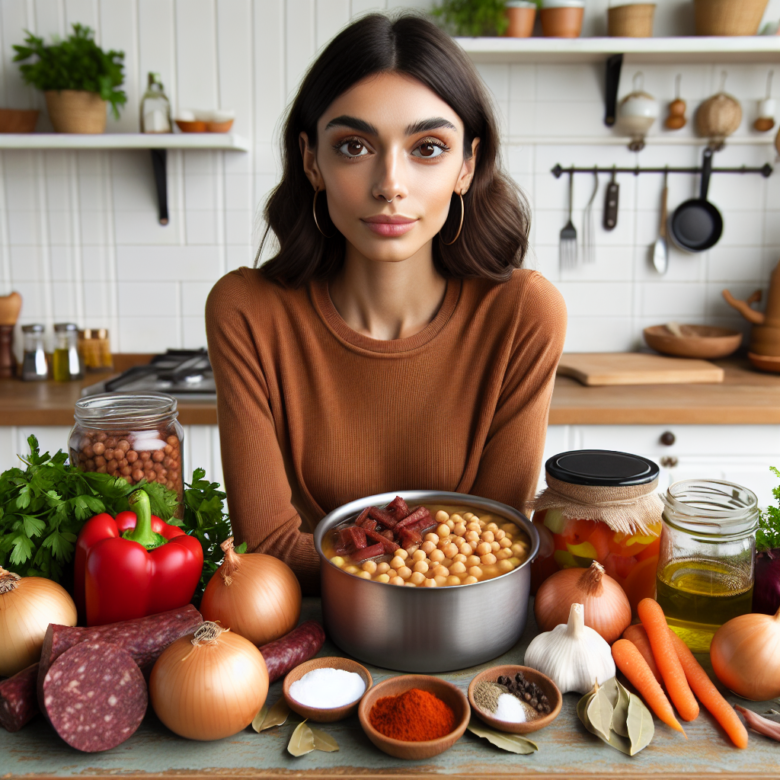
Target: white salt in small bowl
{"x":330,"y":714}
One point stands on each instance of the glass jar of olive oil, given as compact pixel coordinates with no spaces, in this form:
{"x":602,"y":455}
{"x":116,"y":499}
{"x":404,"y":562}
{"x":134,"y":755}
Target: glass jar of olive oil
{"x":706,"y":562}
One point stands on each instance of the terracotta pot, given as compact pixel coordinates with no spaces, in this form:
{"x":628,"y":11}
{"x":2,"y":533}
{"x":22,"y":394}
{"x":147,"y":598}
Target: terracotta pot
{"x":17,"y":120}
{"x":631,"y":21}
{"x":728,"y":17}
{"x":521,"y":21}
{"x":76,"y":111}
{"x":564,"y":22}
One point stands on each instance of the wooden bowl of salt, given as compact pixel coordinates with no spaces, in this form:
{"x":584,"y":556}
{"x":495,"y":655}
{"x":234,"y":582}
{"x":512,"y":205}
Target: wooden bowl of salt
{"x":322,"y":686}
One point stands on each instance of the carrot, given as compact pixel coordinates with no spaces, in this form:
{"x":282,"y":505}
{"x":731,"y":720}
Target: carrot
{"x":709,"y":695}
{"x":652,"y":617}
{"x":638,"y":636}
{"x":629,"y":660}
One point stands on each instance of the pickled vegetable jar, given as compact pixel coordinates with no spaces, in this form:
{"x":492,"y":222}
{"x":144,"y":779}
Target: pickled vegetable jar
{"x":600,"y":505}
{"x":706,"y":567}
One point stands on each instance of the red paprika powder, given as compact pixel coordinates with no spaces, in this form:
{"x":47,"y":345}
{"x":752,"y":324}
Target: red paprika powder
{"x":413,"y":716}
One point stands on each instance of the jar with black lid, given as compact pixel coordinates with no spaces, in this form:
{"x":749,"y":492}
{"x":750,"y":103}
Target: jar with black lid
{"x":133,"y":436}
{"x":600,"y":505}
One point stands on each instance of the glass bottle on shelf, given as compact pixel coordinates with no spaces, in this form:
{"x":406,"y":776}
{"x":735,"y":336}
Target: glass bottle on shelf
{"x":34,"y":364}
{"x":155,"y":107}
{"x":67,"y":362}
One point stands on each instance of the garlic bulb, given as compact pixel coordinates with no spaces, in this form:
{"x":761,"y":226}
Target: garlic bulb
{"x":574,"y":656}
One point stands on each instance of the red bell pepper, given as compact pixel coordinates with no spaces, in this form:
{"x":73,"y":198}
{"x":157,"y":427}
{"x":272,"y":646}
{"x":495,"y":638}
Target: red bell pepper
{"x":133,"y":565}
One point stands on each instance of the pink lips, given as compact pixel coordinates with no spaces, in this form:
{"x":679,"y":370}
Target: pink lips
{"x":389,"y":226}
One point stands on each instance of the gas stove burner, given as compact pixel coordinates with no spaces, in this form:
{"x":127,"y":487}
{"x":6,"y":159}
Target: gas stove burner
{"x":182,"y":373}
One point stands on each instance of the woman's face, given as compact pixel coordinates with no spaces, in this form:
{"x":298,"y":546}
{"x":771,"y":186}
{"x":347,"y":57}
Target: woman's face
{"x":389,"y":138}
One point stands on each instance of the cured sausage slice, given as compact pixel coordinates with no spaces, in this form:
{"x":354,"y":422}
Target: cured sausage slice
{"x":291,"y":650}
{"x":95,"y":696}
{"x":18,"y":700}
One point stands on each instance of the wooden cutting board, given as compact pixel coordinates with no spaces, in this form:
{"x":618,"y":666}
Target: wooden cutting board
{"x":634,"y":368}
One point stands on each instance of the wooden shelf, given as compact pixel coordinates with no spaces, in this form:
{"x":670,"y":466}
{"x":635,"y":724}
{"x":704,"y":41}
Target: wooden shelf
{"x":755,"y":48}
{"x":220,"y":141}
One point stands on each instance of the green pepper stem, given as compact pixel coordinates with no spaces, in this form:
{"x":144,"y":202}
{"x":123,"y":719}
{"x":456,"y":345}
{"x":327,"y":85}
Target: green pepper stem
{"x":143,"y":533}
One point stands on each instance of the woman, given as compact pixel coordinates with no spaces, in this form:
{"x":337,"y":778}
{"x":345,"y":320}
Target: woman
{"x":391,"y":343}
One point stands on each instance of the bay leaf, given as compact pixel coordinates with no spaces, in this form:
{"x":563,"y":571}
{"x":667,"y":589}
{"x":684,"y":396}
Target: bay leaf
{"x":614,"y":740}
{"x":323,"y":741}
{"x":301,"y":741}
{"x":599,"y":713}
{"x":513,"y":743}
{"x":620,"y":715}
{"x":275,"y":716}
{"x":640,"y":724}
{"x":582,"y":708}
{"x":612,"y":688}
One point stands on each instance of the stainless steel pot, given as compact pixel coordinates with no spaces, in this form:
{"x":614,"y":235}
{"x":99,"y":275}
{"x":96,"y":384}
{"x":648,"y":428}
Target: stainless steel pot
{"x":425,"y":629}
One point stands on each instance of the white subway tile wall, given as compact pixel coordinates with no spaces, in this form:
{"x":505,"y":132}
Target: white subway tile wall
{"x":79,"y":237}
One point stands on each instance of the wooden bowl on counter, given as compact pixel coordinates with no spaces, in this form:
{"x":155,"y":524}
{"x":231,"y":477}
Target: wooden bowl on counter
{"x":193,"y":126}
{"x":542,"y":680}
{"x":695,"y":341}
{"x":447,"y":692}
{"x":331,"y":714}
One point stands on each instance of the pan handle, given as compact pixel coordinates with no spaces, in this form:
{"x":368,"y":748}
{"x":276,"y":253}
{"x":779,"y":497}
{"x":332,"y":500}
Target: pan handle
{"x":706,"y":171}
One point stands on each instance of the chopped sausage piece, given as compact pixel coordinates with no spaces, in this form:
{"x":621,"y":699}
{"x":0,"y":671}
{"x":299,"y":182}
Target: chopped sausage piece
{"x":291,"y":650}
{"x":94,"y":696}
{"x":18,"y":699}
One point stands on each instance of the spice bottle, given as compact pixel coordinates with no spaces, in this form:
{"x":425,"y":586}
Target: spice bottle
{"x":95,"y":349}
{"x":706,"y":565}
{"x":600,"y":505}
{"x":155,"y":107}
{"x":66,"y":361}
{"x":34,"y":364}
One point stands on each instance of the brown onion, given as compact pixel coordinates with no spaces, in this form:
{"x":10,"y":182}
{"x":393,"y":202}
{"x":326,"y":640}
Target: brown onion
{"x":607,"y":609}
{"x":745,"y":655}
{"x":255,"y":595}
{"x":27,"y":606}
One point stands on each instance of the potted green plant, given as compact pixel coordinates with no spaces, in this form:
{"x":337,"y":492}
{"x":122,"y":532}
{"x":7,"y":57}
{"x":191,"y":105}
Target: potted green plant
{"x":472,"y":18}
{"x":77,"y":77}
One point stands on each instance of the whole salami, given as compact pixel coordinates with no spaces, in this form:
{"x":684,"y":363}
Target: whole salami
{"x":144,"y":638}
{"x":18,"y":700}
{"x":95,"y":696}
{"x":291,"y":650}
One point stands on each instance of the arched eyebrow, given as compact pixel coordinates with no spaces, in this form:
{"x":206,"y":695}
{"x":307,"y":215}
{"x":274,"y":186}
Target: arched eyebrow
{"x":423,"y":126}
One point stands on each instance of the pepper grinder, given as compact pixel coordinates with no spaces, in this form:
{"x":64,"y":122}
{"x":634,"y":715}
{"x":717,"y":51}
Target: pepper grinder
{"x":10,"y":305}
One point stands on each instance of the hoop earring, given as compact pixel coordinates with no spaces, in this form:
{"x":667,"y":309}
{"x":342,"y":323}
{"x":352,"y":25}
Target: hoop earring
{"x":460,"y":226}
{"x":314,"y":214}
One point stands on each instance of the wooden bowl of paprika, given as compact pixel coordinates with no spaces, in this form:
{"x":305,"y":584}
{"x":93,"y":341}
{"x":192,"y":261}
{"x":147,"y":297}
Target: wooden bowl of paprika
{"x":395,"y":713}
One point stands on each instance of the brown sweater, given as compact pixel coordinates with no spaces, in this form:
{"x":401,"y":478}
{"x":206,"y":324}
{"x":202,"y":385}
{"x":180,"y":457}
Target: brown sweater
{"x":313,"y":414}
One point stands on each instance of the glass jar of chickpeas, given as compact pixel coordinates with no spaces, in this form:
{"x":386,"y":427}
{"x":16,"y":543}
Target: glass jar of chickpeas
{"x":136,"y":437}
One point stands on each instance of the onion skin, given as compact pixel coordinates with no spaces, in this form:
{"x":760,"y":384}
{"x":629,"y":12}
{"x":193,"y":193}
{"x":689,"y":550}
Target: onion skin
{"x":606,"y":607}
{"x":27,"y":606}
{"x":745,"y":655}
{"x":254,"y":595}
{"x":211,"y":690}
{"x":766,"y":591}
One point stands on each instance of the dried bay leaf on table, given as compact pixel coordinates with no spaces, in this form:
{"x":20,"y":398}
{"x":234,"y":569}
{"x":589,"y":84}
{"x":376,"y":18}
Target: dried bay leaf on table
{"x":275,"y":716}
{"x":640,"y":724}
{"x":301,"y":741}
{"x":620,"y":715}
{"x":614,"y":740}
{"x":323,"y":741}
{"x":513,"y":743}
{"x":599,"y":713}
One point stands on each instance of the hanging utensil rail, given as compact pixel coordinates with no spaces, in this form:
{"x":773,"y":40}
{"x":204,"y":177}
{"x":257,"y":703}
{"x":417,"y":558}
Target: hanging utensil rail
{"x":765,"y":170}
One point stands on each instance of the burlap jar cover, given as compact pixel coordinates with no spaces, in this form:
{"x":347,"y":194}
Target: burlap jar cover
{"x":627,"y":509}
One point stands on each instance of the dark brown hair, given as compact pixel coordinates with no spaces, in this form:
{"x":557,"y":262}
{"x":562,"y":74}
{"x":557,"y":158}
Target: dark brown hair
{"x":494,"y":238}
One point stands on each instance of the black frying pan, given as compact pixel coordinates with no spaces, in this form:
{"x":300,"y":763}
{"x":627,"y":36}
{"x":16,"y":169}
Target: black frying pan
{"x":696,"y":225}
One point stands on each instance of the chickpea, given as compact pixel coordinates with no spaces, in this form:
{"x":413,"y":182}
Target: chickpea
{"x":488,"y":559}
{"x":503,"y":554}
{"x":439,"y":580}
{"x":428,"y":547}
{"x":441,"y":517}
{"x":505,"y":542}
{"x":487,"y":536}
{"x":431,"y":583}
{"x":472,"y":560}
{"x":101,"y":436}
{"x":474,"y":526}
{"x":472,"y":537}
{"x":364,"y":575}
{"x":111,"y":442}
{"x":99,"y":448}
{"x":466,"y":549}
{"x":157,"y":456}
{"x":123,"y":445}
{"x":352,"y":569}
{"x":145,"y":455}
{"x":459,"y":558}
{"x":447,"y":562}
{"x":509,"y":528}
{"x":514,"y":561}
{"x":505,"y":566}
{"x":167,"y":449}
{"x":458,"y":568}
{"x":470,"y":580}
{"x":443,"y":530}
{"x":483,"y":549}
{"x":397,"y":562}
{"x":450,"y":550}
{"x":492,"y":527}
{"x":397,"y":581}
{"x":418,"y":578}
{"x":132,"y":456}
{"x":108,"y":454}
{"x":382,"y":568}
{"x":404,"y":572}
{"x":126,"y":471}
{"x":382,"y":578}
{"x":450,"y":524}
{"x":419,"y":555}
{"x":459,"y":529}
{"x":517,"y":549}
{"x":499,"y":535}
{"x":475,"y":571}
{"x":456,"y":518}
{"x":437,"y":556}
{"x":441,"y":571}
{"x":409,"y":584}
{"x":89,"y":465}
{"x":401,"y":553}
{"x":495,"y":546}
{"x":173,"y":441}
{"x":421,"y":566}
{"x":431,"y":538}
{"x":468,"y":515}
{"x":370,"y":567}
{"x":138,"y":475}
{"x":111,"y":466}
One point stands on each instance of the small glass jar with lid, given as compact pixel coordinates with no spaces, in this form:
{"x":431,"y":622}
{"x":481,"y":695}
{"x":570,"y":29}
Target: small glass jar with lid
{"x":155,"y":107}
{"x":706,"y":565}
{"x":600,"y":505}
{"x":66,"y":361}
{"x":136,"y":437}
{"x":35,"y":367}
{"x":95,"y":349}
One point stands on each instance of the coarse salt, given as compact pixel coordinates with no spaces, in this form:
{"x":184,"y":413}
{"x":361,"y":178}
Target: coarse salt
{"x":510,"y":709}
{"x":327,"y":688}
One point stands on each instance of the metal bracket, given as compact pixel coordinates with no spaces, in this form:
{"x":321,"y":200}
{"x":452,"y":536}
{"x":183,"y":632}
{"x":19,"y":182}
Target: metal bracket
{"x":159,"y":157}
{"x":614,"y":64}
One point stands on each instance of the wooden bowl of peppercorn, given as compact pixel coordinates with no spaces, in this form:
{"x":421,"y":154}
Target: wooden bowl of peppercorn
{"x":535,"y":684}
{"x":415,"y":750}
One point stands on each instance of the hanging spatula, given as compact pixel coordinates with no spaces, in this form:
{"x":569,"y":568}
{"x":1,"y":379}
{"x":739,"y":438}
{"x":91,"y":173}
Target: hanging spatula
{"x":661,"y":249}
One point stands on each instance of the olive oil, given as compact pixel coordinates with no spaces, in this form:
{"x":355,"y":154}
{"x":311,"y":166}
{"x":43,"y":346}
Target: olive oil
{"x":698,"y":596}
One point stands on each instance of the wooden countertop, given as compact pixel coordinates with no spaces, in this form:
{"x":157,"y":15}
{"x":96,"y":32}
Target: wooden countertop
{"x":745,"y":397}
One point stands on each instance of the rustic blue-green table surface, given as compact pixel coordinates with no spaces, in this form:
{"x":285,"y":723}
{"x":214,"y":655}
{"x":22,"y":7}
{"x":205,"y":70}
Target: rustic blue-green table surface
{"x":566,"y":749}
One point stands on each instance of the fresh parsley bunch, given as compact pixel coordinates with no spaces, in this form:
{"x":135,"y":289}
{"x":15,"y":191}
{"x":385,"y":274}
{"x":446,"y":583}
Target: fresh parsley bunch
{"x":472,"y":17}
{"x":768,"y":534}
{"x":75,"y":63}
